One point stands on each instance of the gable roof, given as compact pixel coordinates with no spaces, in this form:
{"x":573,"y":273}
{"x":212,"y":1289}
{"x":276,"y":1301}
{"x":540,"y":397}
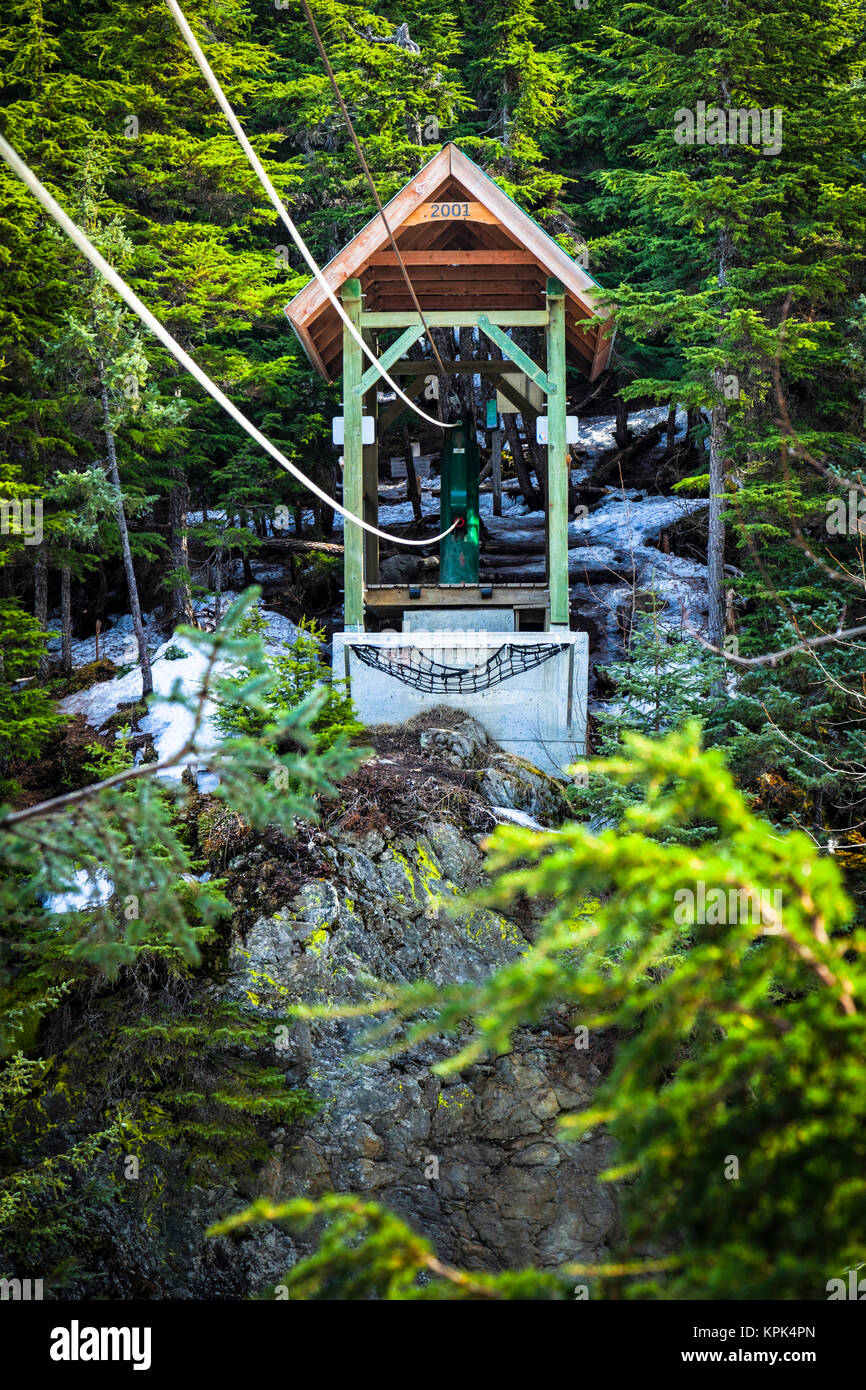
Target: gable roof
{"x":499,"y":258}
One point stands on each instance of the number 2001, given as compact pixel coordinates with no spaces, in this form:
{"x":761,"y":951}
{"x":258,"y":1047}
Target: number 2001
{"x":449,"y":210}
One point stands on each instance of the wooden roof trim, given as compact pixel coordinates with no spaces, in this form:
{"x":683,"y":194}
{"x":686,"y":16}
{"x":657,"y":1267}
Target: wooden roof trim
{"x":447,"y":170}
{"x":372,"y":237}
{"x":524,"y":228}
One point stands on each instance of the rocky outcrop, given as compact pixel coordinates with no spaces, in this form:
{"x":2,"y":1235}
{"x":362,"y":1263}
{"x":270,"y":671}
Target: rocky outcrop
{"x":513,"y":782}
{"x":475,"y":1162}
{"x":382,"y":890}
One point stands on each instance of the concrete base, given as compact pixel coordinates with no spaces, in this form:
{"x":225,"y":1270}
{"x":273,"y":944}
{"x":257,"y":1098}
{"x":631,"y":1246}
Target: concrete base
{"x":537,"y":713}
{"x":458,"y":620}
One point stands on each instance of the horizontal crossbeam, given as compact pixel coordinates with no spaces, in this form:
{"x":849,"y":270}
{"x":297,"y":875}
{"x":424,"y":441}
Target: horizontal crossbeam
{"x":456,"y":318}
{"x":457,"y":596}
{"x":453,"y":368}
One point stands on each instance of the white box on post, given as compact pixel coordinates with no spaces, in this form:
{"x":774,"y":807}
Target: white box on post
{"x":338,"y":429}
{"x":570,"y":429}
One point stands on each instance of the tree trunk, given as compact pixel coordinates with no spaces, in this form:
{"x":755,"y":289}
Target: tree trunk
{"x":66,"y":621}
{"x":101,"y":593}
{"x":178,"y":505}
{"x":718,"y":440}
{"x":496,"y":465}
{"x":621,"y":431}
{"x":445,"y":347}
{"x":217,"y":576}
{"x":40,"y":602}
{"x":412,"y":490}
{"x":528,"y":339}
{"x":326,"y":512}
{"x":716,"y":533}
{"x":671,"y":429}
{"x":531,"y":496}
{"x":466,"y":384}
{"x":132,"y":586}
{"x":693,"y":423}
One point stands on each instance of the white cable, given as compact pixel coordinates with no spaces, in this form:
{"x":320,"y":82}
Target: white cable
{"x":207,"y":72}
{"x":108,"y":273}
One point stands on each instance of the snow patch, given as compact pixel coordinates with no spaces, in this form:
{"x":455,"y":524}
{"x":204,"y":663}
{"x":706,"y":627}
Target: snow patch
{"x":509,"y":815}
{"x":170,"y":724}
{"x":92,"y":888}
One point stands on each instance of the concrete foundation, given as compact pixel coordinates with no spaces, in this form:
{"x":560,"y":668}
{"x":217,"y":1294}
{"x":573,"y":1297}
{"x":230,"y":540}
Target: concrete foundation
{"x":458,"y":620}
{"x":528,"y":689}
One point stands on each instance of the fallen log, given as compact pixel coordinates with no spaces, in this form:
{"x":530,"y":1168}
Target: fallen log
{"x":615,"y":461}
{"x":295,"y":546}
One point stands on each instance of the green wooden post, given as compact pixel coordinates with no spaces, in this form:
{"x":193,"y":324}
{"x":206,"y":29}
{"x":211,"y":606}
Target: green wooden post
{"x":371,"y":493}
{"x":557,"y":459}
{"x":353,"y":465}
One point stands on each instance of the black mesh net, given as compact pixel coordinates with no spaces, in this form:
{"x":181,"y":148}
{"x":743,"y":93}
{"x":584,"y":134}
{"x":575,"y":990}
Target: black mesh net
{"x":415,"y":668}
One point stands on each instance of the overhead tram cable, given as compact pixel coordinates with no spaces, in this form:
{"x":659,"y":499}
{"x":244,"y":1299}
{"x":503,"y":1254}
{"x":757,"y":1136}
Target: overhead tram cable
{"x":369,"y":177}
{"x":274,"y":198}
{"x":109,"y":274}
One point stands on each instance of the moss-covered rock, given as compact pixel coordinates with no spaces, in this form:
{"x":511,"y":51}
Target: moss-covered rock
{"x":515,"y":783}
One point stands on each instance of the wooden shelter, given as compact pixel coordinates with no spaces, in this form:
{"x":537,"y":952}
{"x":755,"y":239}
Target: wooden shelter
{"x":476,"y":260}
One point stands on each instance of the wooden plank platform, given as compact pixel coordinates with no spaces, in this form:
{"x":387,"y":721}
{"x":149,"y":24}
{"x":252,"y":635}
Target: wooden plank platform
{"x":456,"y":596}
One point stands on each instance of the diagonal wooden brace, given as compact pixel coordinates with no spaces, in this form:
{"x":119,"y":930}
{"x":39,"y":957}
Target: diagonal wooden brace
{"x":388,"y":358}
{"x":516,"y":354}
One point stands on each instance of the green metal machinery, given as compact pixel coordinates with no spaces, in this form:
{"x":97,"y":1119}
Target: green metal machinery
{"x":458,"y":552}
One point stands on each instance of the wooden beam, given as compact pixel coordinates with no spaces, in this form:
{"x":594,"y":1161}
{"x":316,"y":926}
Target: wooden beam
{"x":557,"y":460}
{"x":455,"y":258}
{"x":458,"y":596}
{"x":516,"y":354}
{"x":460,"y":318}
{"x":444,"y":271}
{"x":466,"y":368}
{"x":476,"y":293}
{"x":353,"y":465}
{"x":447,"y":213}
{"x":312,"y":351}
{"x":444,"y":300}
{"x":329,"y":335}
{"x":450,"y":283}
{"x":603,"y":348}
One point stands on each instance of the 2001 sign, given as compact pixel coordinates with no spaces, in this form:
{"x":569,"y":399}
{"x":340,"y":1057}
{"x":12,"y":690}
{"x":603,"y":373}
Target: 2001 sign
{"x":442,"y":210}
